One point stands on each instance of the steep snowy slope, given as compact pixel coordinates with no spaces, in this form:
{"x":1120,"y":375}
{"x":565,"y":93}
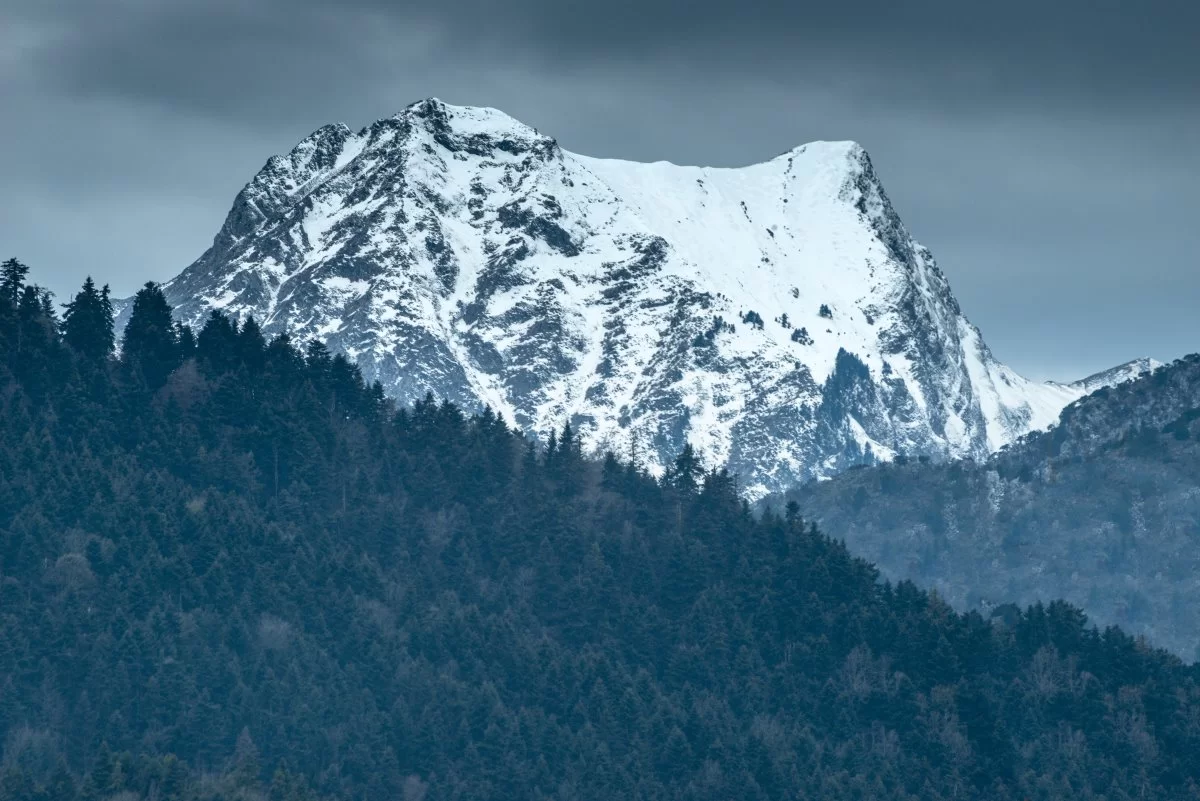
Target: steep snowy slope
{"x":778,"y":316}
{"x":1120,"y":374}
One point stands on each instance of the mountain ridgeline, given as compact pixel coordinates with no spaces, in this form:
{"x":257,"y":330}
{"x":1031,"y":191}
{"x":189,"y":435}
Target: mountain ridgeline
{"x":230,"y":568}
{"x":1102,"y":510}
{"x":779,"y":317}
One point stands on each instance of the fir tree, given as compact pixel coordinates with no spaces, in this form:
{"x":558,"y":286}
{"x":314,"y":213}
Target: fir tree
{"x":46,"y":299}
{"x":187,"y":341}
{"x":12,"y":280}
{"x":246,"y":766}
{"x":151,"y":347}
{"x":251,"y":344}
{"x":686,"y":472}
{"x":217,"y":344}
{"x":88,"y":322}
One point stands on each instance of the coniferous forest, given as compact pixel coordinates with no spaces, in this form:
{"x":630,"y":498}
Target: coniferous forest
{"x":229,"y":569}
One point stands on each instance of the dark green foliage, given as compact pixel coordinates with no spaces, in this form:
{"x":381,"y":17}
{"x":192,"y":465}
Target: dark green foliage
{"x":260,"y":569}
{"x":122,"y":776}
{"x":88,"y":323}
{"x":12,"y":280}
{"x":29,"y":335}
{"x":685,"y":474}
{"x":150,"y":347}
{"x":753,"y":318}
{"x":824,"y":311}
{"x":801,"y":335}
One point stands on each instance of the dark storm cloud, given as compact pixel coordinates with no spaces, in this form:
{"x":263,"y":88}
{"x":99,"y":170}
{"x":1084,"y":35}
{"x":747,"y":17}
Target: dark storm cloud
{"x":1045,"y":150}
{"x":265,"y":57}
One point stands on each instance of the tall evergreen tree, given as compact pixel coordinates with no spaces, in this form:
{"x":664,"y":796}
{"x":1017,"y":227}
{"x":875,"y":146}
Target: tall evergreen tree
{"x":151,"y":344}
{"x":217,"y":344}
{"x":46,"y":299}
{"x":187,"y":341}
{"x":31,"y":314}
{"x":686,"y":473}
{"x":251,"y":344}
{"x":12,"y":280}
{"x":88,"y":322}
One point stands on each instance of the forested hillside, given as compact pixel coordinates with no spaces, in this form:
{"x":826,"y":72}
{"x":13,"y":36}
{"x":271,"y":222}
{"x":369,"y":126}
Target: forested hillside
{"x":229,"y":569}
{"x":1102,"y":510}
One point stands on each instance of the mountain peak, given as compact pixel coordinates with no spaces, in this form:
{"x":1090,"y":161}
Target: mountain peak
{"x":779,"y":316}
{"x":467,"y":121}
{"x":844,"y":150}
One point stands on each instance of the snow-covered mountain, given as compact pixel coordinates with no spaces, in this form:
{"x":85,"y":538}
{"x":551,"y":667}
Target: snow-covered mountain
{"x":778,"y":316}
{"x":1117,"y":375}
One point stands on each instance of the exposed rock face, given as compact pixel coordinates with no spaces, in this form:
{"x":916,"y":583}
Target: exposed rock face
{"x":779,"y":316}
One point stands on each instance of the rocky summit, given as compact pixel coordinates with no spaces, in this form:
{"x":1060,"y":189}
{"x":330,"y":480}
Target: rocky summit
{"x":780,"y":316}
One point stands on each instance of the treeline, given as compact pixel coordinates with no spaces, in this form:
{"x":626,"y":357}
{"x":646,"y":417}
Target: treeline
{"x":231,"y":569}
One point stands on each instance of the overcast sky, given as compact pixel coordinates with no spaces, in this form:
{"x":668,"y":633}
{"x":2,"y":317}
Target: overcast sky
{"x":1045,"y":150}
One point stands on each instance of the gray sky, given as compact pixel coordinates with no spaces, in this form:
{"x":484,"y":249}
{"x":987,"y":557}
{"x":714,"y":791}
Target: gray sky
{"x":1045,"y":151}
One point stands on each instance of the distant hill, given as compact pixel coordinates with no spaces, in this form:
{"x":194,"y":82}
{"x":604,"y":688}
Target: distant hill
{"x":1102,"y":510}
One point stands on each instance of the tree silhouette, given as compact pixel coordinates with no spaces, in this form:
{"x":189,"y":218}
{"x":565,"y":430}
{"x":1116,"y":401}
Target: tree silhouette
{"x":88,"y":323}
{"x":12,"y":280}
{"x":150,"y":348}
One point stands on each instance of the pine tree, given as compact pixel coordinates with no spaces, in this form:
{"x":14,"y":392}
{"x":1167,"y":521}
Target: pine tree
{"x":46,"y":299}
{"x":151,"y":345}
{"x":35,"y":330}
{"x":187,"y":341}
{"x":12,"y":280}
{"x":246,"y":761}
{"x":252,"y":345}
{"x":174,"y":777}
{"x":29,"y":303}
{"x":88,"y":322}
{"x":61,"y":786}
{"x":217,"y":344}
{"x":685,"y":475}
{"x":317,"y":355}
{"x":101,"y":775}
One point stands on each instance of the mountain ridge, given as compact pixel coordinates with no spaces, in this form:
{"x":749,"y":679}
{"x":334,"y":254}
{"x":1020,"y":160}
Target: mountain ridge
{"x":778,"y":316}
{"x":1120,"y":374}
{"x":1101,"y":510}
